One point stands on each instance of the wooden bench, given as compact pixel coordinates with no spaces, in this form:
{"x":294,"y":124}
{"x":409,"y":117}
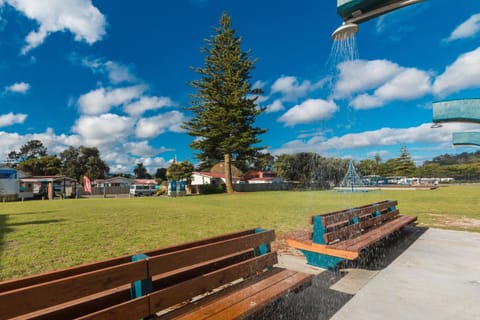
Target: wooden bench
{"x":343,"y":235}
{"x":226,"y":277}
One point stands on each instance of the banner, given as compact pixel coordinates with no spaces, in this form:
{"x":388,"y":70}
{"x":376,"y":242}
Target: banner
{"x":87,"y":185}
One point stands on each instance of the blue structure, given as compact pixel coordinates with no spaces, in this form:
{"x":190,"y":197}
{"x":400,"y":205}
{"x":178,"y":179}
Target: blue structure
{"x":462,"y":110}
{"x":352,"y":181}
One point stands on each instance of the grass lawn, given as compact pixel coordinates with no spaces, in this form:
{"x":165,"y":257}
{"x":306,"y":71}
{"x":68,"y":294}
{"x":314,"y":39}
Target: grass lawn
{"x":38,"y":236}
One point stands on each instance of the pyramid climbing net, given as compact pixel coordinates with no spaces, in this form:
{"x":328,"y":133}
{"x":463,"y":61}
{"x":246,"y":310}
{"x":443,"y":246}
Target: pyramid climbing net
{"x":352,"y":180}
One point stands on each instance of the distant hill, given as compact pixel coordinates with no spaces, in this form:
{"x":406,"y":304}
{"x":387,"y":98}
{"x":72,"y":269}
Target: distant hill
{"x":462,"y":158}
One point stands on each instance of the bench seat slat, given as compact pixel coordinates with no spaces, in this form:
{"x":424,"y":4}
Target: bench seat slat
{"x":375,"y":234}
{"x":257,"y":299}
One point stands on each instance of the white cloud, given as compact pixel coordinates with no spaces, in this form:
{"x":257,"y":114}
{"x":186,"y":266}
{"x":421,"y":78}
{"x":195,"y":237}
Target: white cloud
{"x":464,"y":73}
{"x":18,"y":87}
{"x":154,"y":126}
{"x":102,"y":100}
{"x":291,"y":89}
{"x":467,"y":29}
{"x":148,"y":103}
{"x":381,"y":137}
{"x":360,"y":75}
{"x":104,"y":129}
{"x":408,"y":84}
{"x":116,"y":72}
{"x":309,"y":111}
{"x":275,"y":106}
{"x":11,"y":119}
{"x":80,"y":17}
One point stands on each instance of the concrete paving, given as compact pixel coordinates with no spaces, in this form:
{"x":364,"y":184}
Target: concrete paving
{"x":437,"y":277}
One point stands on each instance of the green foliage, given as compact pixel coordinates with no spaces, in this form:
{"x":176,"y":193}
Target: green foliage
{"x":211,"y":188}
{"x":224,"y":106}
{"x":77,"y":162}
{"x":33,"y":149}
{"x":161,"y":174}
{"x":310,"y":169}
{"x":140,"y":172}
{"x":180,"y":171}
{"x":43,"y":166}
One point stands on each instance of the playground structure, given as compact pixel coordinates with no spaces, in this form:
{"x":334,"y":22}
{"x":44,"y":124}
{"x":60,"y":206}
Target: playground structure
{"x":352,"y":182}
{"x":462,"y":110}
{"x":354,"y":12}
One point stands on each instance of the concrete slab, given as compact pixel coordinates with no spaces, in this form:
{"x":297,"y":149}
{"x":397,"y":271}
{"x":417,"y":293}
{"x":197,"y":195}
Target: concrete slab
{"x":437,"y":277}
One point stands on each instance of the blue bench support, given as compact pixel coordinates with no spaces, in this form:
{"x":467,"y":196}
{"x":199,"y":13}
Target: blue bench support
{"x":264,"y":248}
{"x":141,"y":287}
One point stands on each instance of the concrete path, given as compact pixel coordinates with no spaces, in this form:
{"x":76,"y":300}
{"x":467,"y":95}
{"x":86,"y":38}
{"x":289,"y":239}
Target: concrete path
{"x":437,"y":277}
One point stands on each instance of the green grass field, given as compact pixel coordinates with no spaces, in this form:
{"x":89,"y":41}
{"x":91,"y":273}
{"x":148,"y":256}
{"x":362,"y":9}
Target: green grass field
{"x":38,"y":236}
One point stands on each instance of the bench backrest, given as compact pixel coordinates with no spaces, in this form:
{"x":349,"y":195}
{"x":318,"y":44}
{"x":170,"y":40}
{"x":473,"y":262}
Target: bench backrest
{"x":335,"y":226}
{"x":160,"y":280}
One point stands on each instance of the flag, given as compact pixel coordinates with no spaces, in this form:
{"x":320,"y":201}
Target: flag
{"x":87,"y":185}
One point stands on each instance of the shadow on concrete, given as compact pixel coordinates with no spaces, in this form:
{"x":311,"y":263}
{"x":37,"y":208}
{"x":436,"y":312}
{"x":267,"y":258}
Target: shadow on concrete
{"x":381,"y":255}
{"x":317,"y":302}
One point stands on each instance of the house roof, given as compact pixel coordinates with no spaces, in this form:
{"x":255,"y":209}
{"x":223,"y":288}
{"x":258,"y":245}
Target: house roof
{"x":216,"y":175}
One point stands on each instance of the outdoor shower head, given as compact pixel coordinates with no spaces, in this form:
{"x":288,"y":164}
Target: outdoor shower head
{"x":354,"y":12}
{"x":346,"y":30}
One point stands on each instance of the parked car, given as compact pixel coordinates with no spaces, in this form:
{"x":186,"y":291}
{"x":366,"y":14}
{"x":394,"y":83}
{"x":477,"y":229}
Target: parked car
{"x":139,"y":190}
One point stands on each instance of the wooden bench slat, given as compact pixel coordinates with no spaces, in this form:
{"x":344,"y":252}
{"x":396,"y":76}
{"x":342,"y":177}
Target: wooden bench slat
{"x":29,"y":299}
{"x":133,"y":309}
{"x":374,"y":235}
{"x":179,"y":259}
{"x":167,"y":297}
{"x":255,"y":302}
{"x":354,"y":230}
{"x":347,"y":215}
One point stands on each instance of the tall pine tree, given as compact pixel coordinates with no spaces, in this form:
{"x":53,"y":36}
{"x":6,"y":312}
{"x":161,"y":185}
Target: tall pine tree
{"x":224,"y":104}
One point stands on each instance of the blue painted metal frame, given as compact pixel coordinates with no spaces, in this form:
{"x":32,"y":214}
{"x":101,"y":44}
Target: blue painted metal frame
{"x":141,"y":287}
{"x":264,"y":248}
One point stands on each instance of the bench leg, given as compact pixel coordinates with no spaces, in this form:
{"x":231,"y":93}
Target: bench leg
{"x":321,"y":260}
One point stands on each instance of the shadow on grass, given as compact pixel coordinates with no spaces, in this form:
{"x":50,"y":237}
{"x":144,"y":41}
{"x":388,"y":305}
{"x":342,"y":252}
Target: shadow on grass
{"x":6,"y":227}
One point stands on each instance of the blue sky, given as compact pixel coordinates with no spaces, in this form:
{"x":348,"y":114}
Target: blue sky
{"x":115,"y":74}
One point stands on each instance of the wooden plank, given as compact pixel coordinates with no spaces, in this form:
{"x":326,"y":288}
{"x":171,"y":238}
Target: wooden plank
{"x":374,"y":234}
{"x":29,"y":299}
{"x":347,"y":215}
{"x":270,"y":282}
{"x":133,"y":309}
{"x":80,"y":307}
{"x":323,"y":249}
{"x":260,"y":299}
{"x":353,"y":230}
{"x":173,"y":295}
{"x":68,"y":272}
{"x":179,"y":259}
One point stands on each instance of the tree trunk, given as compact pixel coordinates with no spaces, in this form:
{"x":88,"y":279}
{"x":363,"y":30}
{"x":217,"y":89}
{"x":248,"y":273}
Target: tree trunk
{"x":228,"y":173}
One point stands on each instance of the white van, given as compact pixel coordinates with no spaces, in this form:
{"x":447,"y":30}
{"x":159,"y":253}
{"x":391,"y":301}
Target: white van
{"x":139,"y":190}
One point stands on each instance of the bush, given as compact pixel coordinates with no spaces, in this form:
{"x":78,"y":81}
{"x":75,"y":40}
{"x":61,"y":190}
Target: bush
{"x":211,"y":188}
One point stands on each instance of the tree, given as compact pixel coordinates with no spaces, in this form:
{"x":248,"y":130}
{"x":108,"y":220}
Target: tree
{"x":83,"y":161}
{"x":180,"y":171}
{"x":33,"y":149}
{"x":224,"y":105}
{"x":141,"y":172}
{"x":43,"y":166}
{"x":161,"y":174}
{"x":404,"y":164}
